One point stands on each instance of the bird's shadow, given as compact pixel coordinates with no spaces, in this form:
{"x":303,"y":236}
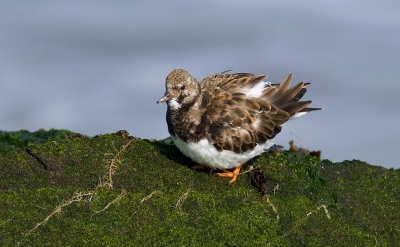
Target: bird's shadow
{"x":171,"y":152}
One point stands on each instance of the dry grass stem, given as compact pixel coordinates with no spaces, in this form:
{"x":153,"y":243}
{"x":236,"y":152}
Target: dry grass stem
{"x":272,"y":206}
{"x":302,"y":220}
{"x":89,"y":195}
{"x":181,"y":200}
{"x":249,"y":170}
{"x":150,"y":195}
{"x":123,"y":192}
{"x":113,"y":166}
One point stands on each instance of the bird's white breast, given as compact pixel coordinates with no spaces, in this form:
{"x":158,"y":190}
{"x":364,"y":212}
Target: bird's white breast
{"x":204,"y":153}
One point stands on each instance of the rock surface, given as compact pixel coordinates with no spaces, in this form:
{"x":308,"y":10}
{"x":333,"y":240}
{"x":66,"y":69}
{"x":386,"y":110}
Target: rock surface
{"x":117,"y":190}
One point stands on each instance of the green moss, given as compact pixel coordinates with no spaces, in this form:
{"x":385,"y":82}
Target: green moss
{"x":14,"y":140}
{"x":152,"y":197}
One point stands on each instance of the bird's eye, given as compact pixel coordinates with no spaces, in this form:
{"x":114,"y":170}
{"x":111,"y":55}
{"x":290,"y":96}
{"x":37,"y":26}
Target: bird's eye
{"x":183,"y":87}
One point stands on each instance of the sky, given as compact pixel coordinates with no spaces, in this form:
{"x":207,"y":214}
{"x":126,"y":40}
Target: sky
{"x":96,"y":67}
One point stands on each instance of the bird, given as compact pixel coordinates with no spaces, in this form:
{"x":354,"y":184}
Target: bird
{"x":228,"y":118}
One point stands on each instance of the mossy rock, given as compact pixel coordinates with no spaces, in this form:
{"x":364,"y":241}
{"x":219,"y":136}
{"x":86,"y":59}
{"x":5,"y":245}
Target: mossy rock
{"x":114,"y":190}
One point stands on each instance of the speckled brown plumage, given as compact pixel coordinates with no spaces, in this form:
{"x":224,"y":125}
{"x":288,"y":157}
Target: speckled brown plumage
{"x":218,"y":109}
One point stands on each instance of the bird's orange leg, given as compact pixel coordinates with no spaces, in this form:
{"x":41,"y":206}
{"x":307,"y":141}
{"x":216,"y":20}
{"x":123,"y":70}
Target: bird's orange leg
{"x":228,"y":174}
{"x":201,"y":167}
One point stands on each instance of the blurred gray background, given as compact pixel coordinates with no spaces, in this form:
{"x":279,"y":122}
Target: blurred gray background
{"x":96,"y":67}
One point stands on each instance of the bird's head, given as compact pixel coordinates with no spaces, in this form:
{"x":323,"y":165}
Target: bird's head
{"x":180,"y":88}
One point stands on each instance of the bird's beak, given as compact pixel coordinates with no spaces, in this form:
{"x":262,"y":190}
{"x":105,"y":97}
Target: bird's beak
{"x":167,"y":97}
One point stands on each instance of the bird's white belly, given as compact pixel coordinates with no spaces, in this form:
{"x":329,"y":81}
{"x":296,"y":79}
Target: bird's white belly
{"x":205,"y":153}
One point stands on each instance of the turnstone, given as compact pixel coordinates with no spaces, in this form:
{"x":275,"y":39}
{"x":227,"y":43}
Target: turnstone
{"x":226,"y":119}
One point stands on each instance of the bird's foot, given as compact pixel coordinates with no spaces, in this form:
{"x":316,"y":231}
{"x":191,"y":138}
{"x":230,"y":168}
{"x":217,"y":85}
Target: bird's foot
{"x":229,"y":174}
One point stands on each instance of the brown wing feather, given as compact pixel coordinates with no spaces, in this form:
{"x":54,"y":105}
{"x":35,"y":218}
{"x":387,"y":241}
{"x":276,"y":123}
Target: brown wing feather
{"x":281,"y":89}
{"x":238,"y":122}
{"x":251,"y":81}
